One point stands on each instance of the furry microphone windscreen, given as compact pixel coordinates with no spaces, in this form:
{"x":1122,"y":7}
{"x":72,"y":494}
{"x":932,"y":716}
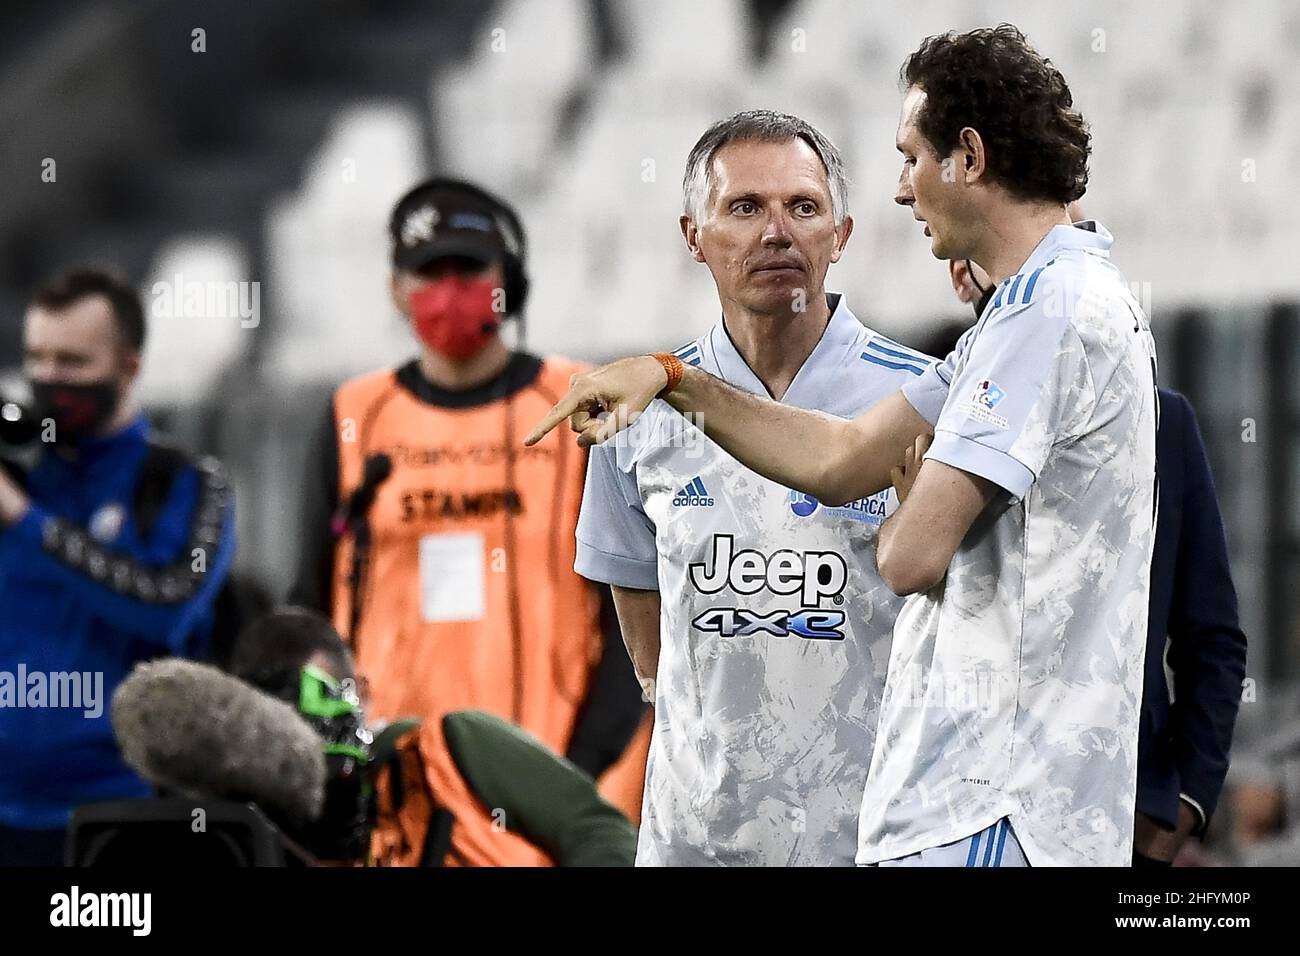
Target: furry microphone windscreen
{"x":194,"y":730}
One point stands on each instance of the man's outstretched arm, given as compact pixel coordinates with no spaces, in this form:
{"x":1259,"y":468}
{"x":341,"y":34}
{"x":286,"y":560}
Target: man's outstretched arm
{"x":830,"y":458}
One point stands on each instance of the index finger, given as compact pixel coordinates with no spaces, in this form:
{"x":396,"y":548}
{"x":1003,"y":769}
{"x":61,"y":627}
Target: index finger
{"x":562,"y":410}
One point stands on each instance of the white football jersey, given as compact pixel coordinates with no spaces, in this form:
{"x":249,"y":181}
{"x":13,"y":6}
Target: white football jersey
{"x":775,"y":626}
{"x":1015,"y":685}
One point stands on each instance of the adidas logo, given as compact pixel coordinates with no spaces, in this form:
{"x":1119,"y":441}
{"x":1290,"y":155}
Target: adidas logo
{"x":693,"y":495}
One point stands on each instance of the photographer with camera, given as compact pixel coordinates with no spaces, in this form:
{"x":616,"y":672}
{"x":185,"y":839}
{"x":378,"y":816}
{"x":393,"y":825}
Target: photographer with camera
{"x":113,"y":548}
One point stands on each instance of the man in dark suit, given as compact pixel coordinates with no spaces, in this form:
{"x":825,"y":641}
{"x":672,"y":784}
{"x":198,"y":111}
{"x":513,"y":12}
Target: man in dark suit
{"x":1192,"y":630}
{"x":1184,"y":741}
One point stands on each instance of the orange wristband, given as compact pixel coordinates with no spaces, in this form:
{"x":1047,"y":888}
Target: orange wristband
{"x":674,"y":368}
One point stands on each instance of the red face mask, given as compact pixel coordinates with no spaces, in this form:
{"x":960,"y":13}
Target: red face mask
{"x":454,"y":315}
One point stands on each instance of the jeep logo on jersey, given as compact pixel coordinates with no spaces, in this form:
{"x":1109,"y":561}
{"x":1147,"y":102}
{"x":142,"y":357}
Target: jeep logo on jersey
{"x":813,"y":575}
{"x":738,"y":622}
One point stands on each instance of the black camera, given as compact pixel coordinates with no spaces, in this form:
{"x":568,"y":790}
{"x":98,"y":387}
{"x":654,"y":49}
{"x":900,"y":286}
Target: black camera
{"x":20,"y":425}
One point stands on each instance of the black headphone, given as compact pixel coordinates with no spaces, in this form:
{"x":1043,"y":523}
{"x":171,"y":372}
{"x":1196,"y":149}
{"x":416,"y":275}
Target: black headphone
{"x":516,"y":275}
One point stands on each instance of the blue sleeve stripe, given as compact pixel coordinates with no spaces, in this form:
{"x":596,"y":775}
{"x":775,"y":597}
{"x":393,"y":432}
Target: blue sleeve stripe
{"x":898,"y":352}
{"x":1029,"y":286}
{"x":1011,"y":293}
{"x":897,"y":366}
{"x":687,"y":350}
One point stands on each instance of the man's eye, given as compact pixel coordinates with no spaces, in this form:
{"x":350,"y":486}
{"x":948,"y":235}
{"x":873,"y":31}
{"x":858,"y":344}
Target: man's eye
{"x":807,"y":209}
{"x":744,"y":208}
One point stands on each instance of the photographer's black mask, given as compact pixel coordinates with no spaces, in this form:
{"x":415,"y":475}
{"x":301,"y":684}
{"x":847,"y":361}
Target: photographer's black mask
{"x":78,"y":410}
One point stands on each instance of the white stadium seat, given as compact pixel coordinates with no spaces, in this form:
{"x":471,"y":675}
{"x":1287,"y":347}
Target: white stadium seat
{"x":330,"y":314}
{"x":202,"y":306}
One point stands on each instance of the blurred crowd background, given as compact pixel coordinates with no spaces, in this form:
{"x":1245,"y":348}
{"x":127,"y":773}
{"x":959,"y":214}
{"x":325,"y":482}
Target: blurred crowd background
{"x":203,"y":143}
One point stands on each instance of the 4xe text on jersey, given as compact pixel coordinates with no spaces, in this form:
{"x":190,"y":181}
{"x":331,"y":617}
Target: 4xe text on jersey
{"x":810,"y":577}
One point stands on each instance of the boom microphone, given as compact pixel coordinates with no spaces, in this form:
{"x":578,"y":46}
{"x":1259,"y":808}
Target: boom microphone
{"x":192,"y":729}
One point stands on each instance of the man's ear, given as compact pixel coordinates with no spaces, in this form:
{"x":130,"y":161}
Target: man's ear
{"x":395,"y":292}
{"x":842,"y":233}
{"x":692,"y":236}
{"x":973,"y":160}
{"x":959,"y":273}
{"x":130,"y":365}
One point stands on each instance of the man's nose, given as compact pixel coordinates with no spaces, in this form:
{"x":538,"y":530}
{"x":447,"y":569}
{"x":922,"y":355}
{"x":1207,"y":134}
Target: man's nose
{"x":777,"y":230}
{"x":42,"y":370}
{"x":903,"y":194}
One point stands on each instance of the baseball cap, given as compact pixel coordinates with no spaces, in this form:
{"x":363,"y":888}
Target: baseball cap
{"x":446,"y":218}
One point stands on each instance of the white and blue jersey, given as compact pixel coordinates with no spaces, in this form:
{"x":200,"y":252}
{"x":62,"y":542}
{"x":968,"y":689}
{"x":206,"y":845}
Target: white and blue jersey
{"x":775,"y":627}
{"x":1015,"y":686}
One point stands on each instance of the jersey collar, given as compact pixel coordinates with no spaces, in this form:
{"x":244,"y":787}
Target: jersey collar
{"x":1088,"y":235}
{"x":841,"y":332}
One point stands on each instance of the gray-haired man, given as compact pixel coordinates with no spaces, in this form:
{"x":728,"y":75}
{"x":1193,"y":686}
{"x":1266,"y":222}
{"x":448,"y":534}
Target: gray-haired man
{"x":759,"y":611}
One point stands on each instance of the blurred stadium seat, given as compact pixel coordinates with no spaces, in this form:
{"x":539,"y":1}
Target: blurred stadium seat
{"x":328,"y":249}
{"x":501,"y":109}
{"x":185,"y":354}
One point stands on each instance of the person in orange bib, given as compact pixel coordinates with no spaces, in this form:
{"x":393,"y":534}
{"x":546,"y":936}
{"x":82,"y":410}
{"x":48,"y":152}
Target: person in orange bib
{"x":443,"y":550}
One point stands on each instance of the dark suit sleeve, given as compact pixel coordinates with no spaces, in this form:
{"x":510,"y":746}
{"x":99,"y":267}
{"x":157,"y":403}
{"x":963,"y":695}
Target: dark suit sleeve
{"x":1207,"y":651}
{"x":612,"y":711}
{"x":313,"y":581}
